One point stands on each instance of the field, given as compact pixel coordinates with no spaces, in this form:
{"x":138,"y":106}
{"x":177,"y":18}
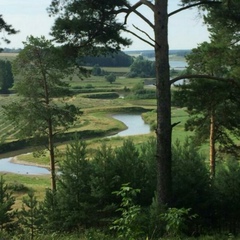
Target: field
{"x":8,"y":56}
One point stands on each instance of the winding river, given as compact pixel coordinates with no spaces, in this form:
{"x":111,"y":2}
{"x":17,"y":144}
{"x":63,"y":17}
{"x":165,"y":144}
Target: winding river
{"x":7,"y":166}
{"x":134,"y":123}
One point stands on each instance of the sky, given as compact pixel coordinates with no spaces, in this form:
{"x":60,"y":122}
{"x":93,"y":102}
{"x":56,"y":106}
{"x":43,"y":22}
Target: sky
{"x":186,"y":29}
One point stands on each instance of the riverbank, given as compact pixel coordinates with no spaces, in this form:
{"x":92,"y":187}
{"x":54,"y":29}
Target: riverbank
{"x":134,"y":126}
{"x":16,"y":160}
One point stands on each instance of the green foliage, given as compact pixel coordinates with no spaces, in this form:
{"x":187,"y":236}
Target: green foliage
{"x":176,"y":221}
{"x":30,"y":215}
{"x":92,"y":23}
{"x":128,"y":166}
{"x":212,"y":101}
{"x":103,"y":95}
{"x":74,"y":191}
{"x":41,"y":68}
{"x":6,"y":76}
{"x":139,"y":92}
{"x":119,"y":59}
{"x":138,"y":87}
{"x":110,"y":78}
{"x":126,"y":226}
{"x":84,"y":199}
{"x":32,"y":113}
{"x":155,"y":226}
{"x":96,"y":70}
{"x":104,"y":180}
{"x":51,"y":211}
{"x":95,"y":234}
{"x":7,"y":214}
{"x":7,"y":28}
{"x":142,"y":68}
{"x":224,"y":17}
{"x":17,"y":187}
{"x":227,"y":190}
{"x":191,"y":179}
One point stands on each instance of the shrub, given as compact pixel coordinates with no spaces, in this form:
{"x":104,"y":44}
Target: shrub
{"x":103,"y":95}
{"x":17,"y":187}
{"x":7,"y":215}
{"x":110,"y":78}
{"x":126,"y":226}
{"x":191,"y":182}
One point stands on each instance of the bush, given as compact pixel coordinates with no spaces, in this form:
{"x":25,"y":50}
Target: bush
{"x":110,"y":78}
{"x":126,"y":225}
{"x":89,"y":85}
{"x":227,"y":189}
{"x":17,"y":187}
{"x":103,"y":96}
{"x":7,"y":215}
{"x":191,"y":181}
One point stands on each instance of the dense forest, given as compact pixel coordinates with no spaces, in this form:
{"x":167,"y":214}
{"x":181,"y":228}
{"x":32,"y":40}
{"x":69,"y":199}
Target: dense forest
{"x":119,"y":59}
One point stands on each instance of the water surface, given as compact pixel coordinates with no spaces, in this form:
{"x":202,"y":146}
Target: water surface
{"x":7,"y":166}
{"x":134,"y":123}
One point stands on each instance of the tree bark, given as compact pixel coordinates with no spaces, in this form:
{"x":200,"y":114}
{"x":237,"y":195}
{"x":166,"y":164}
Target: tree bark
{"x":212,"y":149}
{"x":52,"y":159}
{"x":163,"y":95}
{"x":50,"y":135}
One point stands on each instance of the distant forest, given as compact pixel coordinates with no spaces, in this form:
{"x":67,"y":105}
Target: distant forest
{"x":150,"y":53}
{"x":11,"y":50}
{"x":120,"y":59}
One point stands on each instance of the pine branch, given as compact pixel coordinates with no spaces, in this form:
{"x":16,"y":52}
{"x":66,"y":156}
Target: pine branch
{"x":144,"y":40}
{"x":133,"y":9}
{"x":194,"y":5}
{"x":200,"y":76}
{"x":175,"y":124}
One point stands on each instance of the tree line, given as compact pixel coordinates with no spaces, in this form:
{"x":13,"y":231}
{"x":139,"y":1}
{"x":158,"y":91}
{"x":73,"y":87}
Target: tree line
{"x":119,"y":59}
{"x":6,"y":76}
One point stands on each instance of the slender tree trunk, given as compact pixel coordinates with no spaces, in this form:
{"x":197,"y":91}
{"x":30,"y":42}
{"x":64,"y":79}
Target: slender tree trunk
{"x":212,"y":150}
{"x":50,"y":135}
{"x":163,"y":131}
{"x":52,"y":156}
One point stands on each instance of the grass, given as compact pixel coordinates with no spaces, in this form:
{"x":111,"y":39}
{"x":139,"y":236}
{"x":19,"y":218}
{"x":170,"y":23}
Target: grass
{"x":8,"y":56}
{"x":38,"y":184}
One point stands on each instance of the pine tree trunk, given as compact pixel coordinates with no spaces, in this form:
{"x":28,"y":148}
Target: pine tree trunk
{"x":163,"y":94}
{"x":52,"y":156}
{"x":212,"y":152}
{"x":50,"y":135}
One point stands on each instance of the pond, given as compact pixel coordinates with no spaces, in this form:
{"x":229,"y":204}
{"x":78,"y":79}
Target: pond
{"x":134,"y":123}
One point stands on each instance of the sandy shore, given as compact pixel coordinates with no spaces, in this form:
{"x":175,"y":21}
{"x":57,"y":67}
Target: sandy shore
{"x":16,"y":160}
